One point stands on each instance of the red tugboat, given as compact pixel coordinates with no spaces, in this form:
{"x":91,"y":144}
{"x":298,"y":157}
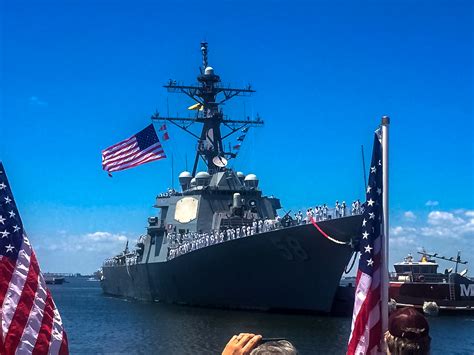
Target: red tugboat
{"x":419,"y":284}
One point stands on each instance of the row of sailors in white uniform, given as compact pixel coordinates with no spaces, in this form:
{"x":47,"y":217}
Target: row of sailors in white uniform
{"x":193,"y":241}
{"x":321,"y":213}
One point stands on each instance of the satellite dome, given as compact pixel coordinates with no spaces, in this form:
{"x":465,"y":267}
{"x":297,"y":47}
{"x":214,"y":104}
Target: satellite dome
{"x":240,"y":174}
{"x":209,"y":71}
{"x":184,"y":179}
{"x":202,"y":175}
{"x":202,"y":178}
{"x":251,"y":180}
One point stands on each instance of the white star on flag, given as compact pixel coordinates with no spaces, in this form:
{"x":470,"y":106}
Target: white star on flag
{"x":379,"y":190}
{"x":2,"y":186}
{"x":369,"y":189}
{"x":371,"y":215}
{"x":370,"y":202}
{"x":373,"y":169}
{"x":5,"y":233}
{"x":368,"y":248}
{"x":10,"y":248}
{"x":364,"y":222}
{"x":365,"y":235}
{"x":12,"y":214}
{"x":16,"y":228}
{"x":370,"y":262}
{"x":8,"y":200}
{"x":2,"y":220}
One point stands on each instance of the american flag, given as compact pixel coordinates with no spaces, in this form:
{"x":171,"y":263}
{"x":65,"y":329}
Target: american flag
{"x":30,"y":321}
{"x":366,"y":331}
{"x":140,"y":148}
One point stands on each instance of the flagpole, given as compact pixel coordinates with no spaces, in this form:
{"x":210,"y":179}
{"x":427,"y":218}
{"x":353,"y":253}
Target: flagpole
{"x":363,"y":167}
{"x":385,"y":206}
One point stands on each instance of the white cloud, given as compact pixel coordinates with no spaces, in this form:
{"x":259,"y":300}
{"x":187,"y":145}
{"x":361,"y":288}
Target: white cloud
{"x":431,"y":203}
{"x":96,"y":242}
{"x":34,"y":100}
{"x":469,"y":213}
{"x":402,"y":231}
{"x":409,"y":215}
{"x":443,"y":218}
{"x":402,"y":241}
{"x":439,"y":224}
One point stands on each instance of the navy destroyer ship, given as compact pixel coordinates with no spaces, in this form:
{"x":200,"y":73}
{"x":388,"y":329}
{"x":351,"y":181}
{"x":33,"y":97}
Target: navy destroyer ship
{"x":219,"y":241}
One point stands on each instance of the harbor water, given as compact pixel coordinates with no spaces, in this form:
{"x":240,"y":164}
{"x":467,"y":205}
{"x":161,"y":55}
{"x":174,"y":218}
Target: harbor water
{"x":98,"y":324}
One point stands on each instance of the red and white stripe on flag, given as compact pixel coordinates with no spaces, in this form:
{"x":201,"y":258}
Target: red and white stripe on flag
{"x":366,"y":329}
{"x":31,"y":323}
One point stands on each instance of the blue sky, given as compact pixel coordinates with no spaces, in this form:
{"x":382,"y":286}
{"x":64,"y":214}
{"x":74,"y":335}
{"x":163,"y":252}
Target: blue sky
{"x":78,"y":76}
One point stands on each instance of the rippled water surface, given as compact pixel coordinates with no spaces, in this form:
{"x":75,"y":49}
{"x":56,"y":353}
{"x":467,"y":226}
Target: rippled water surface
{"x":97,"y":324}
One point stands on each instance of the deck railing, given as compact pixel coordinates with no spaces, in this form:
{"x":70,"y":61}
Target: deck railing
{"x":180,"y":244}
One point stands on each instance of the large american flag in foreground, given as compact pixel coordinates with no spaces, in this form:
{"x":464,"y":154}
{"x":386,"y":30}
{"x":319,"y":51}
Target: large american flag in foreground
{"x":30,"y":321}
{"x":366,"y":331}
{"x":140,"y":148}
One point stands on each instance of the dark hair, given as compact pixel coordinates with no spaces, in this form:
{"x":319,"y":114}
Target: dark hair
{"x":408,"y":333}
{"x":283,"y":347}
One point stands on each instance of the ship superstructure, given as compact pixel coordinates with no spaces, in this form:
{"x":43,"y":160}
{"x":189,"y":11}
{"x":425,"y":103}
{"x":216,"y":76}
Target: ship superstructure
{"x":220,"y":226}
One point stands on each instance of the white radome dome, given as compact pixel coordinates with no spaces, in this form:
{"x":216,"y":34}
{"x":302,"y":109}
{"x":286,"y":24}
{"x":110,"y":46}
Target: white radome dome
{"x":209,"y":71}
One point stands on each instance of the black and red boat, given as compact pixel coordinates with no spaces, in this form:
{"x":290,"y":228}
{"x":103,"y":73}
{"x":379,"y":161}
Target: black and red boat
{"x":419,"y":284}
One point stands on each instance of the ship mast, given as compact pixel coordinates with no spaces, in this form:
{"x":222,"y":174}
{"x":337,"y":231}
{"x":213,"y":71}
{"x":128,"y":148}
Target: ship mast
{"x":208,"y":95}
{"x":456,"y":260}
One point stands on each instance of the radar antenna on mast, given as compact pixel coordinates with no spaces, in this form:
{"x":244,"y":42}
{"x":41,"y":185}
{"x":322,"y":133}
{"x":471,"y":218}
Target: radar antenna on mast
{"x":204,"y":55}
{"x":208,"y":95}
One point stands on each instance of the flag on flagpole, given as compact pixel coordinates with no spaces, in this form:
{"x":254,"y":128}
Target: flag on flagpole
{"x":236,"y":147}
{"x":140,"y":148}
{"x":367,"y":329}
{"x":241,"y":138}
{"x":30,"y":320}
{"x":164,"y":129}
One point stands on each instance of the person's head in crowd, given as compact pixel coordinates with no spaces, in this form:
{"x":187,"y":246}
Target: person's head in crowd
{"x":408,"y":333}
{"x":280,"y":347}
{"x":251,"y":344}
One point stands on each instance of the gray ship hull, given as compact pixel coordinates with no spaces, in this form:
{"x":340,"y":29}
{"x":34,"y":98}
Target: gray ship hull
{"x":293,"y":268}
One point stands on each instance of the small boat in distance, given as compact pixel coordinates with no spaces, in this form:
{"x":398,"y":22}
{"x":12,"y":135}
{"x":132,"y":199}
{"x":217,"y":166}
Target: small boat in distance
{"x":419,"y":284}
{"x":53,"y":279}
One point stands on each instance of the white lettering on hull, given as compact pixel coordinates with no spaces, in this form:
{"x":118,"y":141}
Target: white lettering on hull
{"x":467,"y":290}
